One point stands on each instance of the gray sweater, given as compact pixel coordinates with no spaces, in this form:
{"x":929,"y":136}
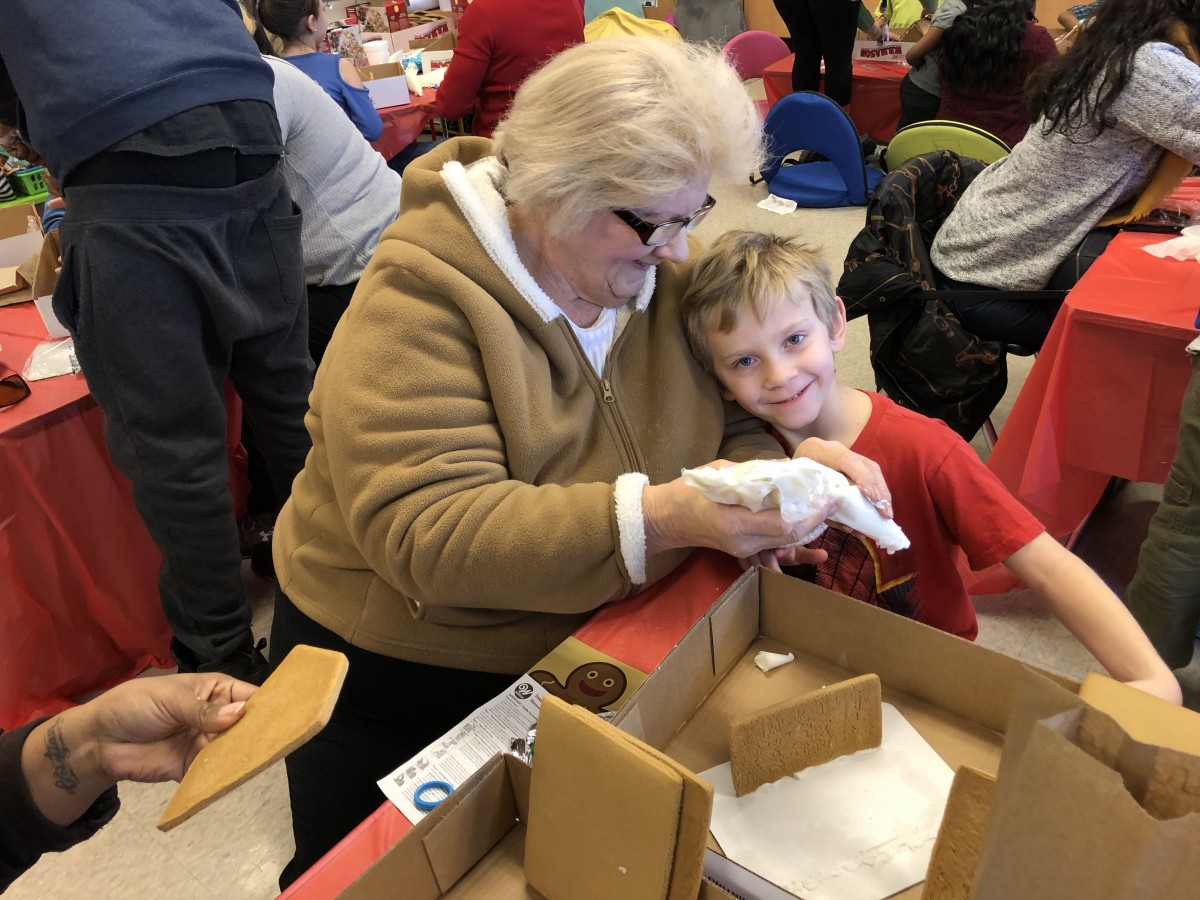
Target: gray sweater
{"x":1025,"y":213}
{"x":340,"y":182}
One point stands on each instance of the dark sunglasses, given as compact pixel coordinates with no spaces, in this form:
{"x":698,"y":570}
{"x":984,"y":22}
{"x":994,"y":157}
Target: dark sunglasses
{"x":655,"y":234}
{"x":13,"y":389}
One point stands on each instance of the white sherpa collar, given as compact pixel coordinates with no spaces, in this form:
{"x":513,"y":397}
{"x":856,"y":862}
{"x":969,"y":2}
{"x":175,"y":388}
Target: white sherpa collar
{"x":475,"y":189}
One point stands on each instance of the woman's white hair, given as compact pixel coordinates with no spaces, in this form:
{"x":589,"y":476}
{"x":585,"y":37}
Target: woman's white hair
{"x":625,"y":123}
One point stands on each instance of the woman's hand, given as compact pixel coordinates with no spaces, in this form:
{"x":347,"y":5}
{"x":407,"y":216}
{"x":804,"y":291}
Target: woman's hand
{"x":147,"y":729}
{"x":865,"y":473}
{"x":678,"y":516}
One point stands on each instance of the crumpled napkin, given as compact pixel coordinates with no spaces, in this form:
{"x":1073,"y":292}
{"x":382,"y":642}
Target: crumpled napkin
{"x":797,"y":488}
{"x":781,"y":205}
{"x":1186,"y":246}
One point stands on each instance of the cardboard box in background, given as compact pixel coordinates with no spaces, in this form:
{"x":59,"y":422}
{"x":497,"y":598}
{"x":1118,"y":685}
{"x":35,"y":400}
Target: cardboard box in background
{"x":14,"y":220}
{"x":663,"y":8}
{"x":888,"y":51}
{"x":446,"y":41}
{"x":386,"y":83}
{"x":383,"y":17}
{"x":347,"y":42}
{"x":956,"y":694}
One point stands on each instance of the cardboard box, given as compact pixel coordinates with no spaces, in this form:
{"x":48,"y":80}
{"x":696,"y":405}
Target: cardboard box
{"x":888,"y":51}
{"x":956,"y":694}
{"x":386,"y":84}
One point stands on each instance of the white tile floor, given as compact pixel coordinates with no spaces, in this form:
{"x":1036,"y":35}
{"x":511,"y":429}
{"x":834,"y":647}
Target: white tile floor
{"x":235,"y":849}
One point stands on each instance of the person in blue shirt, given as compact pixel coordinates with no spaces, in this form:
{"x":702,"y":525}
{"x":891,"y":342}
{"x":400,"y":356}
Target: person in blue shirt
{"x":299,"y":25}
{"x":181,"y":269}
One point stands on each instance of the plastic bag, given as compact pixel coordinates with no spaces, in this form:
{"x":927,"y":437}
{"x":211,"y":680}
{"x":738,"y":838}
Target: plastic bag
{"x":50,"y":358}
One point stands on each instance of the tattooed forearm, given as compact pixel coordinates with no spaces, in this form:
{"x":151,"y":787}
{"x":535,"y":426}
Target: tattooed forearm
{"x":60,"y":756}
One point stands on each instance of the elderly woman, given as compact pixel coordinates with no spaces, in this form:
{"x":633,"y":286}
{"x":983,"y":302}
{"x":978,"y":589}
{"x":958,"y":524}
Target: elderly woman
{"x":501,"y":417}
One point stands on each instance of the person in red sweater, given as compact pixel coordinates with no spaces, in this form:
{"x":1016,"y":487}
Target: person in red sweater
{"x":500,"y":42}
{"x":987,"y":56}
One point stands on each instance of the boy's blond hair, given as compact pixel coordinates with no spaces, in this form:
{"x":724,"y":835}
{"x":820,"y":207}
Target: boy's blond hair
{"x":748,"y":271}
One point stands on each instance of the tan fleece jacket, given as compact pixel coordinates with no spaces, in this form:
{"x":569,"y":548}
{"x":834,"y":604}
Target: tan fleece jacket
{"x":458,"y":505}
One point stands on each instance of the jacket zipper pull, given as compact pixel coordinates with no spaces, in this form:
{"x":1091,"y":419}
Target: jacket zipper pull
{"x":609,"y":397}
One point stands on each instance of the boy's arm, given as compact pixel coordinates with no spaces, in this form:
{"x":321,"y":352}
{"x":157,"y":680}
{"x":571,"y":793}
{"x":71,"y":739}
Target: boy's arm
{"x":1093,"y":614}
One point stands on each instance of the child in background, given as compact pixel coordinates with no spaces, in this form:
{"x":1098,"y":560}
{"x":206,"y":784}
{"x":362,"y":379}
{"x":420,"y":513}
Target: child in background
{"x":300,"y":25}
{"x":921,"y":89}
{"x":761,"y":316}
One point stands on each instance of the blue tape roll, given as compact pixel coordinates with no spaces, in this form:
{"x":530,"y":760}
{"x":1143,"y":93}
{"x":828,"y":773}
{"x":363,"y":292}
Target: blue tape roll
{"x":424,"y":805}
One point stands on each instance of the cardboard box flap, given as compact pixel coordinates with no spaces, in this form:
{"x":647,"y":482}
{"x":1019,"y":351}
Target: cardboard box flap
{"x":652,"y":714}
{"x":1146,"y":718}
{"x":486,"y":812}
{"x":416,"y":862}
{"x":924,"y":662}
{"x":735,"y":622}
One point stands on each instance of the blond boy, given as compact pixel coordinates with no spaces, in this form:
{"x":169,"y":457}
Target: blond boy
{"x":762,"y":317}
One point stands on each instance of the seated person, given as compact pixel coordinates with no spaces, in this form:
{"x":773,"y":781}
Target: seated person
{"x":1116,"y":127}
{"x":762,"y":317}
{"x":58,"y":776}
{"x":987,"y":56}
{"x":493,"y":57}
{"x":299,"y":25}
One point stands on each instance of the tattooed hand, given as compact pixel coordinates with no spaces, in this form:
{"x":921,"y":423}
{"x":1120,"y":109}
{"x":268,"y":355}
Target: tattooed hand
{"x":148,"y":729}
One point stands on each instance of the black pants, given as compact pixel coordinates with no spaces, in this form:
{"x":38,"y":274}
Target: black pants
{"x":168,"y":291}
{"x":388,"y":711}
{"x":1027,"y":322}
{"x":916,"y":103}
{"x":822,"y":29}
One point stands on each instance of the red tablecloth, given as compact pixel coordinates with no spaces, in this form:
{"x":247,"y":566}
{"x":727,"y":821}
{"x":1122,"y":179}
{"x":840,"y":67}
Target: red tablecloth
{"x":1104,"y":394}
{"x":403,"y":124}
{"x":874,"y":105}
{"x":79,"y":607}
{"x":639,"y":632}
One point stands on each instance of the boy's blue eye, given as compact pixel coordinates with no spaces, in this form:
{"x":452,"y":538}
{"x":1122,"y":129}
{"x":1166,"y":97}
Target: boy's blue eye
{"x":794,"y":339}
{"x":743,"y":362}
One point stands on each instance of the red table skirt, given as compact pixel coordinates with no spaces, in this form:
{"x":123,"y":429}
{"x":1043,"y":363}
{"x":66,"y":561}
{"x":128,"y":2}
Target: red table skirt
{"x":402,"y":125}
{"x":79,"y":606}
{"x":1104,"y":394}
{"x":874,"y":105}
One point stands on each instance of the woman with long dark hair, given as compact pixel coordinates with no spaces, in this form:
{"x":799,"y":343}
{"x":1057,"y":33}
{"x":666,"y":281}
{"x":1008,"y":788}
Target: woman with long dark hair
{"x":987,"y":55}
{"x":1116,"y":126}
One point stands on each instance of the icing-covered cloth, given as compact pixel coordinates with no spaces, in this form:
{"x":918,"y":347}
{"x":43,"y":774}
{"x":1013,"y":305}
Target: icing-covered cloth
{"x":797,"y":488}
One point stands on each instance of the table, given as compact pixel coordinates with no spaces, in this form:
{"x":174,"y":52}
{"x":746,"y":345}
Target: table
{"x":402,"y":125}
{"x":79,"y":572}
{"x":79,"y":604}
{"x":874,"y":105}
{"x":1104,"y":393}
{"x":661,"y":614}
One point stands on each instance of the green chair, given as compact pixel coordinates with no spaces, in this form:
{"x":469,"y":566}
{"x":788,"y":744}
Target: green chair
{"x":942,"y":134}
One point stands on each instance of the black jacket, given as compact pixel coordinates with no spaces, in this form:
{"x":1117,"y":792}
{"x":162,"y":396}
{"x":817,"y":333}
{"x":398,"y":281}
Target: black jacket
{"x":922,"y":356}
{"x":25,"y":834}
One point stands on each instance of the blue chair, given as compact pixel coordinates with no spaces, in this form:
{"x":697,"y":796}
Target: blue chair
{"x":806,"y":120}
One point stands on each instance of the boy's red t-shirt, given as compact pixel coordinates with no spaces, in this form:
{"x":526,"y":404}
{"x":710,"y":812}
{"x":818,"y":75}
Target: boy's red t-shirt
{"x":946,"y":501}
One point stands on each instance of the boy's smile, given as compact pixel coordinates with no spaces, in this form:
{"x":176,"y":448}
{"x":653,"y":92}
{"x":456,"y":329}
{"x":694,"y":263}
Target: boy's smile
{"x":781,"y":368}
